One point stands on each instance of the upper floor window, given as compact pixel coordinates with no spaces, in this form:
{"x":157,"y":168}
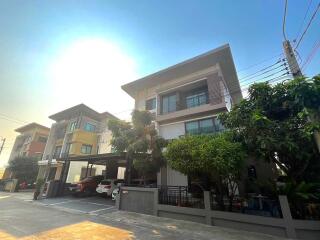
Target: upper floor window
{"x":169,"y":103}
{"x":57,"y":151}
{"x":42,"y":139}
{"x":195,"y":99}
{"x":89,"y":127}
{"x":204,"y":126}
{"x":86,"y":149}
{"x":151,"y":104}
{"x":73,"y":126}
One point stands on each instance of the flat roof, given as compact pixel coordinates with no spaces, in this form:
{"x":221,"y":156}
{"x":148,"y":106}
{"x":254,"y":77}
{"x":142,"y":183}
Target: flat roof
{"x":80,"y":108}
{"x":221,"y":55}
{"x":31,"y":126}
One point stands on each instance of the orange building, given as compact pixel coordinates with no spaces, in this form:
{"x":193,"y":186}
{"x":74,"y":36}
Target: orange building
{"x":30,"y":143}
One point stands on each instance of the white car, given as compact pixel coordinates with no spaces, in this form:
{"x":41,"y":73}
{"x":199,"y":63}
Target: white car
{"x":108,"y":185}
{"x":115,"y":193}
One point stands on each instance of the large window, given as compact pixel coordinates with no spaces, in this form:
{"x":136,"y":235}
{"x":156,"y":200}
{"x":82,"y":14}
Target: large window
{"x":42,"y":139}
{"x":151,"y":104}
{"x":86,"y":149}
{"x":89,"y":127}
{"x":57,"y":151}
{"x":204,"y":126}
{"x":73,"y":126}
{"x":195,"y":99}
{"x":169,"y":103}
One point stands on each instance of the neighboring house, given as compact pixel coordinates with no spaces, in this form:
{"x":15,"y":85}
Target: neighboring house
{"x":30,"y":142}
{"x":77,"y":131}
{"x":187,"y":97}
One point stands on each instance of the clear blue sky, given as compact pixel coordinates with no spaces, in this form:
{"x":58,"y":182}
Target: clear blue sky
{"x":153,"y":34}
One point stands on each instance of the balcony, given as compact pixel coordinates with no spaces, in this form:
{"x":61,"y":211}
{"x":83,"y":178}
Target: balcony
{"x":189,"y":100}
{"x":196,"y":110}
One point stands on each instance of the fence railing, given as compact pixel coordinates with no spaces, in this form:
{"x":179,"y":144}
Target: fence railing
{"x":254,"y":205}
{"x":180,"y":196}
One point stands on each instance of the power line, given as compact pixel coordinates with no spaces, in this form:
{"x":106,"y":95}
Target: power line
{"x":9,"y":118}
{"x":304,"y":18}
{"x":284,"y":20}
{"x":265,"y":68}
{"x":264,"y":72}
{"x":311,"y":55}
{"x":306,"y":29}
{"x":259,"y":63}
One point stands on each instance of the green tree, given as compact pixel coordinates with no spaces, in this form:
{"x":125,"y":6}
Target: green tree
{"x":24,"y":168}
{"x":277,"y":123}
{"x":140,"y":141}
{"x":215,"y":156}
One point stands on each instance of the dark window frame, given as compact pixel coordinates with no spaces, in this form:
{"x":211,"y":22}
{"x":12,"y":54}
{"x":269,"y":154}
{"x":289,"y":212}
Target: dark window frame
{"x":197,"y":94}
{"x":168,"y":108}
{"x":86,"y":146}
{"x":151,"y":104}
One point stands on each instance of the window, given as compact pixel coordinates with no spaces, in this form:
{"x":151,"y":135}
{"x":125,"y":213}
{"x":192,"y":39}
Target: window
{"x":169,"y":103}
{"x":57,"y":151}
{"x":200,"y":127}
{"x":89,"y":127}
{"x":42,"y":139}
{"x":73,"y":126}
{"x":86,"y":149}
{"x":218,"y":125}
{"x":195,"y":99}
{"x":151,"y":104}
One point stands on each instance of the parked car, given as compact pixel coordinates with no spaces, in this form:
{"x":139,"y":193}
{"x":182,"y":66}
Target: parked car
{"x":86,"y":186}
{"x":107,"y":186}
{"x":115,"y":192}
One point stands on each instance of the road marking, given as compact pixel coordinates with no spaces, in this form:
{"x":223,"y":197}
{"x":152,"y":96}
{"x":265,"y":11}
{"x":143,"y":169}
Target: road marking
{"x":101,"y":209}
{"x":2,"y":197}
{"x":52,"y":204}
{"x":99,"y":204}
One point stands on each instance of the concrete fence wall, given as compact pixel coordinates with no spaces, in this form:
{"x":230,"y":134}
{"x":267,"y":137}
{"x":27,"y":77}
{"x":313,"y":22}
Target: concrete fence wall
{"x":145,"y":200}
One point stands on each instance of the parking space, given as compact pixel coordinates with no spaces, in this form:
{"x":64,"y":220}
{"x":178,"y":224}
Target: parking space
{"x":89,"y":205}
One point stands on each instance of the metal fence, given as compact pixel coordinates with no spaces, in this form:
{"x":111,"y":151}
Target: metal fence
{"x":254,"y":205}
{"x":180,"y":196}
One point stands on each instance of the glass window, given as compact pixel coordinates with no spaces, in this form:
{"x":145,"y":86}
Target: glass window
{"x":151,"y":104}
{"x":218,"y":125}
{"x":200,"y":127}
{"x":57,"y":151}
{"x":73,"y":126}
{"x":89,"y":127}
{"x":169,"y":103}
{"x":192,"y":127}
{"x":206,"y":126}
{"x":196,"y":99}
{"x":86,"y":149}
{"x":42,"y":139}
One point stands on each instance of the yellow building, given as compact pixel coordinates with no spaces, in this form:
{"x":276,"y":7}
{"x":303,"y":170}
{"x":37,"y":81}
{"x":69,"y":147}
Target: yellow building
{"x":77,"y":131}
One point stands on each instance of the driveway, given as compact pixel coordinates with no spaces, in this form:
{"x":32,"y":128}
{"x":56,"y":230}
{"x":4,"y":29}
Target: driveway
{"x":90,"y":205}
{"x":83,"y":219}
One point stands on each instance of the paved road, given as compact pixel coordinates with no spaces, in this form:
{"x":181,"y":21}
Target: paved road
{"x":94,"y":218}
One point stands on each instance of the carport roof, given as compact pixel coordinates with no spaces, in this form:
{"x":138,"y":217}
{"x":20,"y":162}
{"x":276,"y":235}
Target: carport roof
{"x":97,"y":158}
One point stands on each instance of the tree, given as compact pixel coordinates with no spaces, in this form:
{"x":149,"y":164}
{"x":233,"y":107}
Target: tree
{"x":277,"y":124}
{"x":215,"y":156}
{"x":24,"y":168}
{"x":140,"y":141}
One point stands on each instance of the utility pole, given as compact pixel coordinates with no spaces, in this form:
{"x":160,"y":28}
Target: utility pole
{"x":3,"y":141}
{"x":296,"y":72}
{"x":291,"y":59}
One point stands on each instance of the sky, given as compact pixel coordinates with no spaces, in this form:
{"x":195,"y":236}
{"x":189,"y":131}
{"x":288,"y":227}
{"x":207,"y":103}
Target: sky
{"x":56,"y":54}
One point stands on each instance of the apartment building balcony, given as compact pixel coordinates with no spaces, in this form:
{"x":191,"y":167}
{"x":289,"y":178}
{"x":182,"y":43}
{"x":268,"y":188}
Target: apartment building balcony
{"x":195,"y":99}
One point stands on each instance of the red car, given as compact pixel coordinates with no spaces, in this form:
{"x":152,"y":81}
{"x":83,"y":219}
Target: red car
{"x":86,"y":186}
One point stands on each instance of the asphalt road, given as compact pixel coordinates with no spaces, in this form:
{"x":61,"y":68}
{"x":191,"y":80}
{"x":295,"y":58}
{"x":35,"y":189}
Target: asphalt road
{"x":97,"y":219}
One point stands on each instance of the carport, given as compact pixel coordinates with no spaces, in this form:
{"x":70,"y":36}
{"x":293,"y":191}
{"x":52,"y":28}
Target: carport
{"x":111,"y":161}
